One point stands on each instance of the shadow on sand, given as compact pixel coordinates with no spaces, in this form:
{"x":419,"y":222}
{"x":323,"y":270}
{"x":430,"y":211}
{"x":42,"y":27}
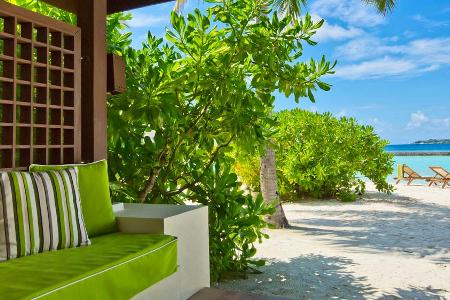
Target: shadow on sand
{"x":417,"y":228}
{"x":305,"y":277}
{"x":319,"y":277}
{"x":413,"y":293}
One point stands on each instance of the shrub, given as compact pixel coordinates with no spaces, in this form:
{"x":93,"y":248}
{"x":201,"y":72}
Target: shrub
{"x":235,"y":221}
{"x":320,"y":156}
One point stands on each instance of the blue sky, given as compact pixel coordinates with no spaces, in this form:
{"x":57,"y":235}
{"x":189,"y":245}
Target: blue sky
{"x":393,"y":72}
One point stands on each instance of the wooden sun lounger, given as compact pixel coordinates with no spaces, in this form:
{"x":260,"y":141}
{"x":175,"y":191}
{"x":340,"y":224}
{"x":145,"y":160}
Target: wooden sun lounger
{"x":442,"y":176}
{"x":409,"y":175}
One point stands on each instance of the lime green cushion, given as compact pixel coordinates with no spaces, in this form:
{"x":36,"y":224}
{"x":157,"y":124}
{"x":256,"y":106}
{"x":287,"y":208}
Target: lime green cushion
{"x":94,"y":193}
{"x":115,"y":266}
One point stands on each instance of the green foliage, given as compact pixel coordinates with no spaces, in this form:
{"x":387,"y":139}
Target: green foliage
{"x":236,"y":220}
{"x":46,"y":10}
{"x":320,"y":156}
{"x":323,"y":156}
{"x":247,"y":166}
{"x":191,"y":98}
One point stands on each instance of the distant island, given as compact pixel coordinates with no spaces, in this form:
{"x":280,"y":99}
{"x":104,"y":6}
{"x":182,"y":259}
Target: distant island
{"x":433,"y":141}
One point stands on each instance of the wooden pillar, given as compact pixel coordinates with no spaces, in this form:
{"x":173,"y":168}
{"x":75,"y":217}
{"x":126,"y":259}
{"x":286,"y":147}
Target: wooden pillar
{"x":92,"y":20}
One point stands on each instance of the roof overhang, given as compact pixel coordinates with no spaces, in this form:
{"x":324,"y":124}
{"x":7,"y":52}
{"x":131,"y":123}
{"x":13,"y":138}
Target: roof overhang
{"x":113,"y":6}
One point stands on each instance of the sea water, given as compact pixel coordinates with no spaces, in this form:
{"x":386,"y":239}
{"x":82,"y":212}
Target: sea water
{"x":419,"y":148}
{"x":421,"y":164}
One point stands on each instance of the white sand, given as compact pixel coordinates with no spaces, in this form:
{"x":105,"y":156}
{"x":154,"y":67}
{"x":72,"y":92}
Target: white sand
{"x":381,"y":247}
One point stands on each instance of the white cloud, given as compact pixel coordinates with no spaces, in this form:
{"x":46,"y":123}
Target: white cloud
{"x":429,"y":22}
{"x":335,"y":32}
{"x":419,"y":119}
{"x":353,"y":12}
{"x":378,"y":57}
{"x":368,"y":56}
{"x":376,"y":69}
{"x":147,"y":20}
{"x":436,"y":51}
{"x":365,"y":47}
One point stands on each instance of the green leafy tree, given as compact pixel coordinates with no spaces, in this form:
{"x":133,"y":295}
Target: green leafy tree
{"x":322,"y":156}
{"x":190,"y":99}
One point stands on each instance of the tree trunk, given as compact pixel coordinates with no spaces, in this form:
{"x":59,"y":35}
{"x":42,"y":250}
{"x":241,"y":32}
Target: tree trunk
{"x":269,"y":188}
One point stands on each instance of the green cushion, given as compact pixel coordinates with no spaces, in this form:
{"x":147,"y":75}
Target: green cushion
{"x":94,"y":192}
{"x":115,"y":266}
{"x":40,"y":211}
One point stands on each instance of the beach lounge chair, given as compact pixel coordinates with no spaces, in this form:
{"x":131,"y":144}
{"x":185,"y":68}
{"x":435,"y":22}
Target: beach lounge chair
{"x":442,"y":176}
{"x":407,"y":174}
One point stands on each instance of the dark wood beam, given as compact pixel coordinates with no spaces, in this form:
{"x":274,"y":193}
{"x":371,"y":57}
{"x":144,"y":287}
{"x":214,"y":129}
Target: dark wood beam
{"x":67,"y":5}
{"x":115,"y":6}
{"x":92,"y":20}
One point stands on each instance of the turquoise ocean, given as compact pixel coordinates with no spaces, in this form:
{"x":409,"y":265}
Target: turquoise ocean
{"x":421,"y":163}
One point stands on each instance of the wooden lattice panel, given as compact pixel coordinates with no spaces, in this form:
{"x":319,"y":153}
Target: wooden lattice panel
{"x":39,"y":89}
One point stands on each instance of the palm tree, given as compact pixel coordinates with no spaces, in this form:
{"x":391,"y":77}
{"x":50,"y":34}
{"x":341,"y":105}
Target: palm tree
{"x":383,"y":6}
{"x":268,"y":169}
{"x":269,"y":187}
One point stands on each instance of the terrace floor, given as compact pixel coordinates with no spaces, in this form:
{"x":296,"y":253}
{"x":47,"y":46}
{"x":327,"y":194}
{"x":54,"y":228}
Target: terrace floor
{"x":381,"y":247}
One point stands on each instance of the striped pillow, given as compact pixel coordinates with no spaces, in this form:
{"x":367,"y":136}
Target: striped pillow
{"x":40,"y":212}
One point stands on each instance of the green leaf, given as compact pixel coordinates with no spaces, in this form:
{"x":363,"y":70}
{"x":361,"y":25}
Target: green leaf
{"x":324,"y":86}
{"x":311,"y":96}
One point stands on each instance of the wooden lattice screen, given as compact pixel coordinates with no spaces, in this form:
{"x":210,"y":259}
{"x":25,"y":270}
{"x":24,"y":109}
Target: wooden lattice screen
{"x":39,"y":89}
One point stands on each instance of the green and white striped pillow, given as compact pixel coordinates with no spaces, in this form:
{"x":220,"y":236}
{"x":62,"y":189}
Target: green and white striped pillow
{"x":40,"y":211}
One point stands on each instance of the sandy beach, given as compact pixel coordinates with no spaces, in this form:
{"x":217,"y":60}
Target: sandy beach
{"x":380,"y":247}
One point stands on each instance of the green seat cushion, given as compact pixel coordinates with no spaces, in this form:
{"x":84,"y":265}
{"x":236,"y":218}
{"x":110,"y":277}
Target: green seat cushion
{"x":115,"y":266}
{"x":94,"y":193}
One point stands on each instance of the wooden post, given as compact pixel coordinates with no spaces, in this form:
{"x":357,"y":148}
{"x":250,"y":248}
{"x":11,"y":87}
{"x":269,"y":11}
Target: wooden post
{"x":92,"y":20}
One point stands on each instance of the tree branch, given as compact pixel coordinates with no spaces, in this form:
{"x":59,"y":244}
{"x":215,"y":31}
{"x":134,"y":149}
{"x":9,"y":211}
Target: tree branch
{"x":207,"y":166}
{"x":150,"y":183}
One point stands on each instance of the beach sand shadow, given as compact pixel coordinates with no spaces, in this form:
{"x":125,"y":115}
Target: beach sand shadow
{"x":407,"y":225}
{"x":414,"y":293}
{"x":318,"y":277}
{"x":305,"y":277}
{"x":417,"y":228}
